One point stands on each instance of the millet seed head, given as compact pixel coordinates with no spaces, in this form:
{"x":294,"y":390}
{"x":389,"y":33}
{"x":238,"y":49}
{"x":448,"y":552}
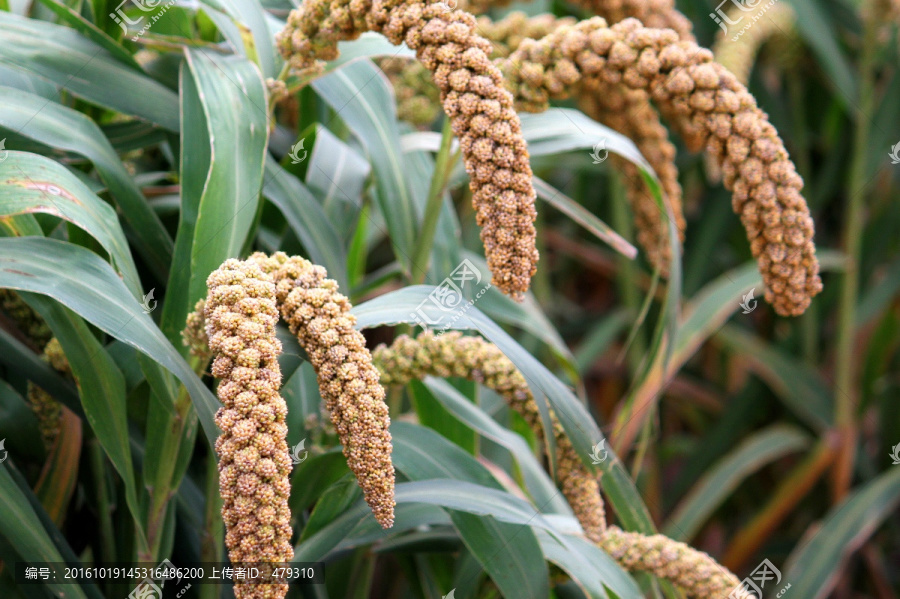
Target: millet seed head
{"x":455,"y":355}
{"x":320,"y":318}
{"x":695,"y":572}
{"x":682,"y":78}
{"x":254,"y":464}
{"x":471,"y":89}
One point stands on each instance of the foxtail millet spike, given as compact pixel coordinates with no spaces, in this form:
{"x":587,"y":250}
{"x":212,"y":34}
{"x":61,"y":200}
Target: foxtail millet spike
{"x":683,"y":79}
{"x":254,"y":462}
{"x":451,"y":354}
{"x":693,"y":571}
{"x":659,"y":14}
{"x":320,"y":318}
{"x":473,"y":96}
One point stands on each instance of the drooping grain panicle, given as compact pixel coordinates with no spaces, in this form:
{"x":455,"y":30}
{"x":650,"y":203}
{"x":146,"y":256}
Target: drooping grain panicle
{"x":451,"y":354}
{"x":320,"y":318}
{"x":684,"y":79}
{"x":659,"y":14}
{"x":693,"y":571}
{"x":473,"y":96}
{"x":254,"y":463}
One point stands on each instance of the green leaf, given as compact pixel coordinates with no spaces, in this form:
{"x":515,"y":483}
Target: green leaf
{"x":101,"y":388}
{"x":544,"y":493}
{"x":15,"y":354}
{"x":362,"y":98}
{"x":526,"y":315}
{"x":564,"y":129}
{"x":308,"y":220}
{"x":20,"y":524}
{"x":87,"y":285}
{"x":588,"y":566}
{"x":433,"y":415}
{"x":583,"y":217}
{"x":250,"y":15}
{"x":509,"y":553}
{"x":30,"y":183}
{"x":336,"y":499}
{"x":442,"y":459}
{"x":232,"y":94}
{"x":79,"y":23}
{"x":338,"y":173}
{"x":823,"y":40}
{"x":84,"y":68}
{"x":29,"y":82}
{"x":401,"y":306}
{"x":65,"y":129}
{"x":815,"y":567}
{"x":473,"y":499}
{"x":726,"y":475}
{"x":800,"y":386}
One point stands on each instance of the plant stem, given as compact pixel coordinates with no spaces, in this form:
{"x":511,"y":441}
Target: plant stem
{"x":846,"y":394}
{"x":442,"y":166}
{"x":180,"y":431}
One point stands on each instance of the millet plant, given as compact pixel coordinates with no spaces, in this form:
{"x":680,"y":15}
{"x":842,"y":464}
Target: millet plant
{"x":421,"y":300}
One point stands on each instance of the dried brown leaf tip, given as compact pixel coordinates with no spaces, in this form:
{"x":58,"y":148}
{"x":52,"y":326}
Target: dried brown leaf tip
{"x":320,"y":318}
{"x":695,"y":572}
{"x":473,"y":96}
{"x":683,"y":80}
{"x":451,"y":354}
{"x":254,"y":463}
